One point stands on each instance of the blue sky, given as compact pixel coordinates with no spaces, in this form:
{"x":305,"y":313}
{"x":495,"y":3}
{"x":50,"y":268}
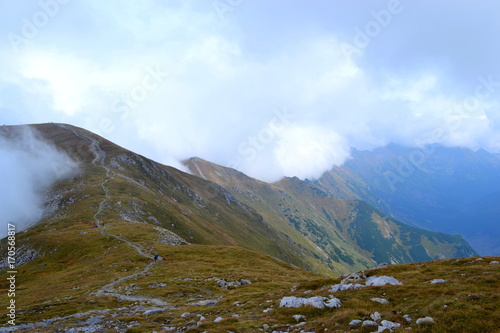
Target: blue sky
{"x":272,"y":88}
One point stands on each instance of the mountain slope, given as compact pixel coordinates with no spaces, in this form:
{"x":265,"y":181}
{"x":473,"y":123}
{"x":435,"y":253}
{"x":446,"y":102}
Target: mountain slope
{"x":349,"y":232}
{"x":117,"y":185}
{"x":450,"y":190}
{"x":290,"y":220}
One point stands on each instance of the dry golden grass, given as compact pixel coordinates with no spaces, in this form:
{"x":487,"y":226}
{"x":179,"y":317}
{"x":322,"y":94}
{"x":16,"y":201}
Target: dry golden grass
{"x":61,"y":284}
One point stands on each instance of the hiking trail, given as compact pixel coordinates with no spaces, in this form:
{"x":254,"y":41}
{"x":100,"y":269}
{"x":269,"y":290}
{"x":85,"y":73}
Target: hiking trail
{"x":108,"y":290}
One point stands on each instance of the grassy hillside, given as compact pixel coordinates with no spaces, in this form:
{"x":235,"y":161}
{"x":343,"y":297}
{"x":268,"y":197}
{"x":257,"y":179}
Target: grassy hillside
{"x":347,"y":235}
{"x":118,"y":185}
{"x":105,"y":280}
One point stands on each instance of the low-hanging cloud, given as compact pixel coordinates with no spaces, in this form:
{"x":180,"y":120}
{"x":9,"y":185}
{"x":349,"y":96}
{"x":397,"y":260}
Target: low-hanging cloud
{"x":29,"y":166}
{"x":171,"y":80}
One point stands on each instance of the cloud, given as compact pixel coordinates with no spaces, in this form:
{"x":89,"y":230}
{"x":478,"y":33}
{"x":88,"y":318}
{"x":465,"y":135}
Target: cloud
{"x":307,"y":152}
{"x":29,"y":166}
{"x":174,"y":79}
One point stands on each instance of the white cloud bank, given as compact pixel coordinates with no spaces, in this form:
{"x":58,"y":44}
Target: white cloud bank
{"x":29,"y":166}
{"x":172,"y":80}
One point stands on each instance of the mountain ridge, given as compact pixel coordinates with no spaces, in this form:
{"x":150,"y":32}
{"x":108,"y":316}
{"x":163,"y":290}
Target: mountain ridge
{"x":435,"y":188}
{"x":290,"y":220}
{"x":299,"y":192}
{"x":89,"y":264}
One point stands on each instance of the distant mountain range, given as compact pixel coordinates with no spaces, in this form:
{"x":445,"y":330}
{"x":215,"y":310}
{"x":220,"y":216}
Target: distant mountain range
{"x":451,"y":190}
{"x":305,"y":224}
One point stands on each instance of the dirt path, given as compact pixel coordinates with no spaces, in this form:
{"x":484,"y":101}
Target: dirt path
{"x":108,"y":289}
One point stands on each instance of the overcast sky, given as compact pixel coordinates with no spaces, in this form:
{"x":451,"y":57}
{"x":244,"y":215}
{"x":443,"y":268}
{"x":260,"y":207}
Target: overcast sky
{"x":270,"y":87}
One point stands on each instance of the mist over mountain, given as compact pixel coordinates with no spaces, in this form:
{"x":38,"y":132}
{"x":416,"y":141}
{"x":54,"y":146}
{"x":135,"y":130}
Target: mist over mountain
{"x":29,"y":166}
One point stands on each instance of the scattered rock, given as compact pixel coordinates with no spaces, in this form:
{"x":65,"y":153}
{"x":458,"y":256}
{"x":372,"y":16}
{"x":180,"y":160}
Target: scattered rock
{"x":168,"y":237}
{"x":333,"y":303}
{"x":376,"y":316}
{"x":206,"y":302}
{"x":437,"y":281}
{"x":388,"y":324}
{"x":343,"y":287}
{"x":474,"y":297}
{"x":24,"y":254}
{"x":380,"y":300}
{"x":227,"y":284}
{"x":265,"y":326}
{"x":86,"y":329}
{"x":152,"y":312}
{"x":355,"y":322}
{"x":382,"y":265}
{"x":185,"y":314}
{"x":494,"y":263}
{"x":369,"y":323}
{"x":316,"y":301}
{"x":94,"y":320}
{"x":218,"y":319}
{"x":407,"y":318}
{"x":381,"y":281}
{"x":354,"y":277}
{"x":426,"y":320}
{"x":299,"y":318}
